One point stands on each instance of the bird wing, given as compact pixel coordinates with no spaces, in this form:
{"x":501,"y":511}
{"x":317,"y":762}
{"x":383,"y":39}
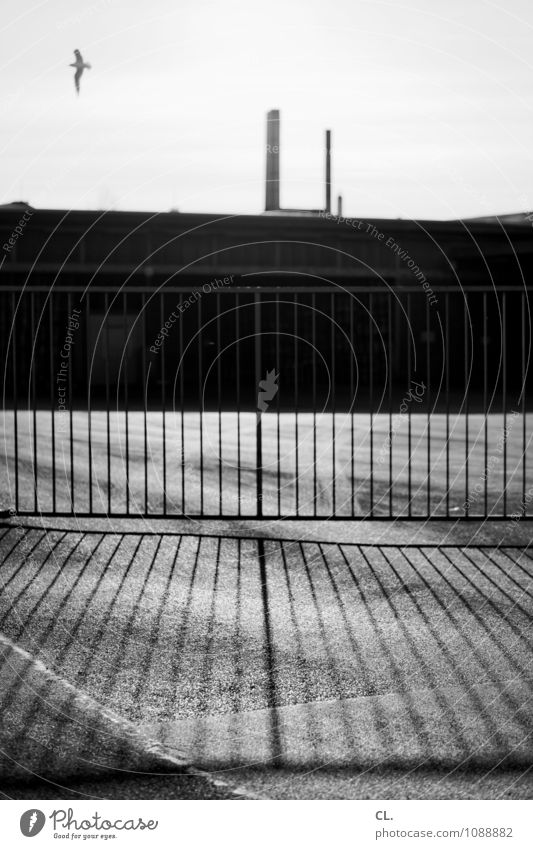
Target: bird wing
{"x":79,"y":57}
{"x":77,"y":77}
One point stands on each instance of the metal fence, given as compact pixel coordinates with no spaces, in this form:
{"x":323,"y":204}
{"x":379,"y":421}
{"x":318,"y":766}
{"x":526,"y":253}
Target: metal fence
{"x":261,"y":401}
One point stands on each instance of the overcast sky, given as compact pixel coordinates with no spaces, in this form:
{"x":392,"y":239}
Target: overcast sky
{"x":429,"y":102}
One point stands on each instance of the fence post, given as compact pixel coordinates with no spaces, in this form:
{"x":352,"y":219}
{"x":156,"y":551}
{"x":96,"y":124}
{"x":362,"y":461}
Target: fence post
{"x":258,"y":433}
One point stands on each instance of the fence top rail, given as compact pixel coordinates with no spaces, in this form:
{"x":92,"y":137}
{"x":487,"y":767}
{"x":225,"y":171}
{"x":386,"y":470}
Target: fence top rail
{"x":331,"y":289}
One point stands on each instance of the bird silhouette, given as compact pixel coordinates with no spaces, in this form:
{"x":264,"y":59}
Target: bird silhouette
{"x":80,"y":66}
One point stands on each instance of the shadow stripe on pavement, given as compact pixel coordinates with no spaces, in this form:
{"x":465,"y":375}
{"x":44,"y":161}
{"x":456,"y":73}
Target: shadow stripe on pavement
{"x":72,"y":738}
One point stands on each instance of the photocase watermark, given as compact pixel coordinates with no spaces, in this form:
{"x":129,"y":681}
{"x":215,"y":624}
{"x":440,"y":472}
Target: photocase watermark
{"x":62,"y":375}
{"x":18,"y":231}
{"x":32,"y":822}
{"x":267,"y":391}
{"x":415,"y":393}
{"x":492,"y":462}
{"x":371,"y":230}
{"x":183,"y":305}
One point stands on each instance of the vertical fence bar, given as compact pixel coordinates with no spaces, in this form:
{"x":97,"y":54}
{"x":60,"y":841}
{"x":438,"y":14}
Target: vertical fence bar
{"x":161,"y":296}
{"x":351,"y":303}
{"x":466,"y":388}
{"x":278,"y":400}
{"x":107,"y":414}
{"x":409,"y":423}
{"x":371,"y":396}
{"x":296,"y":399}
{"x":485,"y":411}
{"x":200,"y":403}
{"x":258,"y":435}
{"x":428,"y":402}
{"x":447,"y":381}
{"x":389,"y":391}
{"x":144,"y":400}
{"x":313,"y":389}
{"x":88,"y":361}
{"x":523,"y":400}
{"x":70,"y":419}
{"x":34,"y":404}
{"x":219,"y":402}
{"x":333,"y":404}
{"x":14,"y":337}
{"x":182,"y":409}
{"x":238,"y":379}
{"x":52,"y":395}
{"x":504,"y":398}
{"x":126,"y":396}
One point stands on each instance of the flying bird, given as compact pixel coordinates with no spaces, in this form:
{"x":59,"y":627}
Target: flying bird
{"x":80,"y":66}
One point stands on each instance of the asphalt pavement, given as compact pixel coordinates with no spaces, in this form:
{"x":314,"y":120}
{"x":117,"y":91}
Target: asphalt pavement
{"x":290,"y":660}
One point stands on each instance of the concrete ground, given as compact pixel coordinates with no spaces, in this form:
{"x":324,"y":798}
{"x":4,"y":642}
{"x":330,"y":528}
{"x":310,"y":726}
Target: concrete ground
{"x":206,"y":465}
{"x":300,"y":660}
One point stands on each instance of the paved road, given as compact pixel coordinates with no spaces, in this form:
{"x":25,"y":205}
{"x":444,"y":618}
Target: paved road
{"x":207,"y":465}
{"x":305,"y":669}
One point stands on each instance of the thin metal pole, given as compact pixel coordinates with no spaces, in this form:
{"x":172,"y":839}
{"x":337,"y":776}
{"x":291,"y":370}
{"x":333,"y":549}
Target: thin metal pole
{"x":89,"y":416}
{"x":108,"y":427}
{"x":504,"y":399}
{"x":409,"y":432}
{"x":278,"y":403}
{"x":313,"y":378}
{"x":70,"y":418}
{"x":126,"y":397}
{"x":238,"y":380}
{"x":34,"y":406}
{"x":14,"y":339}
{"x":523,"y":390}
{"x":351,"y":304}
{"x":52,"y":397}
{"x":485,"y":411}
{"x":163,"y":401}
{"x":371,"y":394}
{"x":447,"y":370}
{"x":182,"y":409}
{"x":145,"y":402}
{"x":200,"y":402}
{"x":428,"y":402}
{"x":258,"y":437}
{"x":389,"y":370}
{"x":296,"y":399}
{"x":219,"y":403}
{"x":333,"y":404}
{"x":467,"y":430}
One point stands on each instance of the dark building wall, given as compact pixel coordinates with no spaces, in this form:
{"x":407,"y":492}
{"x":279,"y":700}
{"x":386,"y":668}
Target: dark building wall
{"x":59,"y":249}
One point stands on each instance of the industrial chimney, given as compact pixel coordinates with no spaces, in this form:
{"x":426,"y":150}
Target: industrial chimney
{"x":328,"y":170}
{"x":272,"y":161}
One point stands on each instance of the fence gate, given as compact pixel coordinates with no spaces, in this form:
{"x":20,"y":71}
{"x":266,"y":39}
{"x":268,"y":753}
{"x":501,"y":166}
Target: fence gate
{"x":304,"y":401}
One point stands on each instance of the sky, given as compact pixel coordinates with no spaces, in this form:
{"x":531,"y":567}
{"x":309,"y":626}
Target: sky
{"x":430,"y":104}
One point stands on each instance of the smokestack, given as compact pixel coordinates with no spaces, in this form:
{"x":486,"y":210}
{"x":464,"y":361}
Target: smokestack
{"x":328,"y":170}
{"x":339,"y":206}
{"x":272,"y":161}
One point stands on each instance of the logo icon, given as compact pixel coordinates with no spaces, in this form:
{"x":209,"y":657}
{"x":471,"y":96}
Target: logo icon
{"x":268,"y":390}
{"x":32,"y":822}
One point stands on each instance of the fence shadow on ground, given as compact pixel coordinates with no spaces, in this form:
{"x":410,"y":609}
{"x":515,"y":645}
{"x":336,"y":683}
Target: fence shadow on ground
{"x":244,"y":652}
